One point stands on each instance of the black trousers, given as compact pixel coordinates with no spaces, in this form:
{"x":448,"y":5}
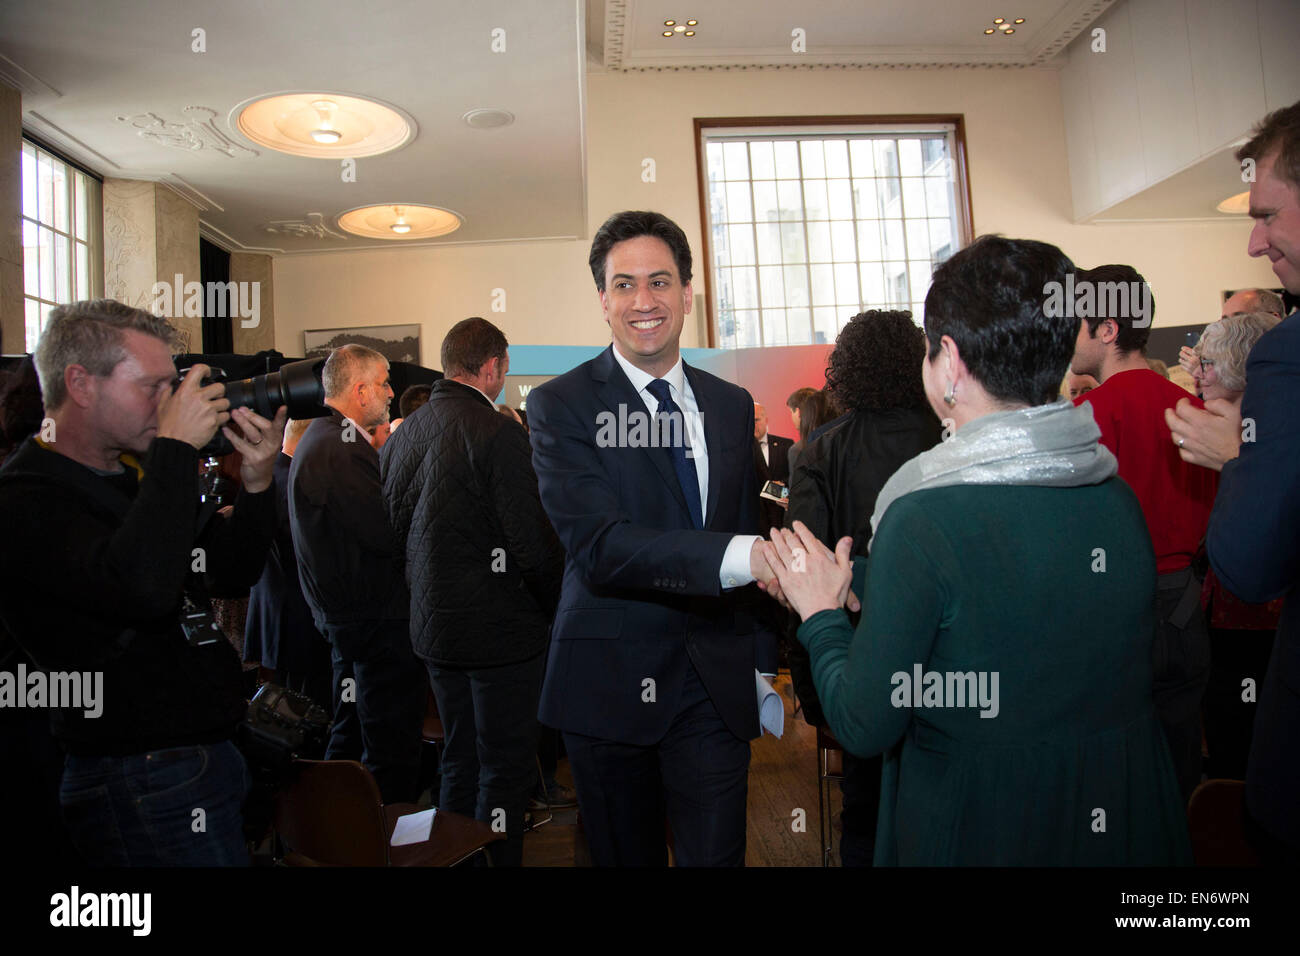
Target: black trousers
{"x":379,"y":697}
{"x":1235,"y":655}
{"x":489,"y":760}
{"x":697,"y":777}
{"x":1180,"y":656}
{"x":861,"y":790}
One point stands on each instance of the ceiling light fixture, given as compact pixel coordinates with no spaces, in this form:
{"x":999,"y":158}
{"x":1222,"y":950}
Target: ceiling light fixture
{"x":689,"y":33}
{"x":670,"y":23}
{"x":999,"y":19}
{"x":990,"y":31}
{"x":1020,"y":19}
{"x":1237,"y":205}
{"x":692,"y":23}
{"x":1008,"y":31}
{"x":323,"y":125}
{"x":403,"y":221}
{"x":668,"y":33}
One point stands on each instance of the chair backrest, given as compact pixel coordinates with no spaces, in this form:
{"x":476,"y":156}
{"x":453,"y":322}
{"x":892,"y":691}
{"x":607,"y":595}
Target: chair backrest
{"x":330,"y":812}
{"x":1217,"y":823}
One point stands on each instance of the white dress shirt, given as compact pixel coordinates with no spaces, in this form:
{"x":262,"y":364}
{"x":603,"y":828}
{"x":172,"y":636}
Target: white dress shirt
{"x":734,"y":571}
{"x":762,"y":443}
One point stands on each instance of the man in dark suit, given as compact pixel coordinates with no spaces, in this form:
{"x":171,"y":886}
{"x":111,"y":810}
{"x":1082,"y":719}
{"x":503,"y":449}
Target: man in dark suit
{"x":1255,"y":525}
{"x":646,"y":469}
{"x":280,"y":633}
{"x":771,"y":459}
{"x":350,"y":565}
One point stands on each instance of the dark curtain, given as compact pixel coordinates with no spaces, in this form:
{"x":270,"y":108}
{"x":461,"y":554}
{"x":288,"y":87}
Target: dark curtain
{"x":214,"y":266}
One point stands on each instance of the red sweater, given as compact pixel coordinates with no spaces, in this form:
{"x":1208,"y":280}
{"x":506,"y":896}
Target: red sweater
{"x":1176,"y":497}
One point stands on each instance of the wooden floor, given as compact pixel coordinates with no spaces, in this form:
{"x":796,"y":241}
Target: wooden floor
{"x":782,"y":782}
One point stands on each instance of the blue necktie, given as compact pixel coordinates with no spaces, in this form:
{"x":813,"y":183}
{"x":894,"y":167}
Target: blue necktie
{"x":684,"y":464}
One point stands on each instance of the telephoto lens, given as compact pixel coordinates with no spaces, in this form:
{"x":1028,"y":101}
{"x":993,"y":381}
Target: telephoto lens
{"x":296,"y":386}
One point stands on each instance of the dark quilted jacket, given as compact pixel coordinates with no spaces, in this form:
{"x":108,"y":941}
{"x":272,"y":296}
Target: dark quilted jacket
{"x":482,"y":560}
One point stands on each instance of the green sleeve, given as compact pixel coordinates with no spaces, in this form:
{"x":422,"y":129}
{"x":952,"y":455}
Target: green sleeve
{"x":901,"y":614}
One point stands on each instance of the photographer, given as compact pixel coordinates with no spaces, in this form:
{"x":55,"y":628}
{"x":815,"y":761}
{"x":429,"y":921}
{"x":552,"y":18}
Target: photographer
{"x":103,"y":579}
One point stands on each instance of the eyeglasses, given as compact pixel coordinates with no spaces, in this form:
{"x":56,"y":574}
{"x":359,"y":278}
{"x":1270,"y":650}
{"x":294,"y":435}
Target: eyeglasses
{"x":1206,"y":364}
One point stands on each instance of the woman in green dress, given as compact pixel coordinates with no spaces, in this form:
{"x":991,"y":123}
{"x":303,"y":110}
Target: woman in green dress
{"x":1003,"y":659}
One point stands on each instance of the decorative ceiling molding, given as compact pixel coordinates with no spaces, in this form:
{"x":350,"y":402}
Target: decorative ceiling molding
{"x":190,"y":193}
{"x":25,"y":80}
{"x":312,"y":226}
{"x":65,"y":141}
{"x":1062,"y":29}
{"x":1059,"y":37}
{"x":196,"y":133}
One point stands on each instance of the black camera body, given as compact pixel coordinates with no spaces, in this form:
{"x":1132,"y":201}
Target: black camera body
{"x":296,"y":385}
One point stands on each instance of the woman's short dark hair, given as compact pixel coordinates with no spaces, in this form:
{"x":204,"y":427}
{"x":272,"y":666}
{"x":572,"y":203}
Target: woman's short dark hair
{"x":877,"y":362}
{"x":991,"y":299}
{"x":631,"y":225}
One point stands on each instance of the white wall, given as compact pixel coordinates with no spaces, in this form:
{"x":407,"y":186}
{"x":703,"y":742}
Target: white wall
{"x":1019,"y":187}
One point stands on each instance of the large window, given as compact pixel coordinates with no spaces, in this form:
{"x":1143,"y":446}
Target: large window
{"x":62,"y":213}
{"x":807,"y":225}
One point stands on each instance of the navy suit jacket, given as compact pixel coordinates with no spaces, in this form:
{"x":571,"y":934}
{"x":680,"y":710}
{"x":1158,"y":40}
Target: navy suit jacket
{"x":641,"y":596}
{"x":1254,"y":545}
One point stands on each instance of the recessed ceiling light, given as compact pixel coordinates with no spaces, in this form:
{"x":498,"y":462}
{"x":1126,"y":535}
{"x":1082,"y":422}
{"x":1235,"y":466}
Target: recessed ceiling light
{"x":679,"y":28}
{"x":670,"y":23}
{"x":1237,"y":205}
{"x":999,"y":19}
{"x":689,"y":33}
{"x":1020,"y":19}
{"x":1009,"y":31}
{"x":323,"y":125}
{"x":399,"y":221}
{"x":668,"y":33}
{"x":989,"y":31}
{"x":691,"y":23}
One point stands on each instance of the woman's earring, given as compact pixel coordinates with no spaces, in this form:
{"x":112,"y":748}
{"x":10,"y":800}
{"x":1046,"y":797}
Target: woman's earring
{"x":950,"y":397}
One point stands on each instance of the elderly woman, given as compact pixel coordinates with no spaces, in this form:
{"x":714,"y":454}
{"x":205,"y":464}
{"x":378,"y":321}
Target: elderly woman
{"x":1241,"y":634}
{"x":1221,"y":353}
{"x":1003,"y":659}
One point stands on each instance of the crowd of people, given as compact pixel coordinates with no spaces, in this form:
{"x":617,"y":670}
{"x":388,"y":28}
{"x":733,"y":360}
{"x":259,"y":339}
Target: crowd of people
{"x":1021,"y":574}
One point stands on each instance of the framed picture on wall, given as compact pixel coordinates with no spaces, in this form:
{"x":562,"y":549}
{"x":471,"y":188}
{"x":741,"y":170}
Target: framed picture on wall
{"x":397,"y":343}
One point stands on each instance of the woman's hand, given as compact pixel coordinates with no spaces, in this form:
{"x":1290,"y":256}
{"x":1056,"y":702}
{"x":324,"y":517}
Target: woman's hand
{"x":812,"y":577}
{"x":1189,"y":360}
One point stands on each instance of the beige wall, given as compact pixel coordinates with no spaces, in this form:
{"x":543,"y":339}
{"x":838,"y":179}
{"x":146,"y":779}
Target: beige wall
{"x":1019,"y":185}
{"x":13,"y":335}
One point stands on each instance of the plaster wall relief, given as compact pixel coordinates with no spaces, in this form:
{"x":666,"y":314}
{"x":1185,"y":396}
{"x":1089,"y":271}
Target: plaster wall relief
{"x":130,"y":261}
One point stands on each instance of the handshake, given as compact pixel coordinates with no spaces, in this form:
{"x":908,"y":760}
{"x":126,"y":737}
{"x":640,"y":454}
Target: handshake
{"x":803,"y":574}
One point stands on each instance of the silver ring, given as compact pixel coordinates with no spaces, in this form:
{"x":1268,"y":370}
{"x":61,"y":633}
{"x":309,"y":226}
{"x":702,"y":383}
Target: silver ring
{"x":1180,"y":441}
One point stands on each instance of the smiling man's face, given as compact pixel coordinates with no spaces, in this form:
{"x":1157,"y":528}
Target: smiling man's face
{"x":645,"y":303}
{"x":1275,"y":207}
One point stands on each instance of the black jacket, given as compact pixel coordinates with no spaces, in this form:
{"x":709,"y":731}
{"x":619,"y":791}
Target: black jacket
{"x":280,"y":633}
{"x":836,"y":481}
{"x":482,"y":562}
{"x":349,"y":560}
{"x":91,"y":578}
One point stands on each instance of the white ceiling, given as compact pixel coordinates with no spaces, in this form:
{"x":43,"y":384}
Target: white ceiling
{"x":845,"y":33}
{"x":91,"y":81}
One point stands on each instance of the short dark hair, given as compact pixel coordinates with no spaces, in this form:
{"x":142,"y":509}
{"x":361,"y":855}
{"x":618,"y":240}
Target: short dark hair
{"x":1131,"y":338}
{"x":815,"y":410}
{"x":877,"y":362}
{"x":413,"y":397}
{"x":991,"y":299}
{"x":629,"y":225}
{"x":469,"y":344}
{"x":1279,"y":130}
